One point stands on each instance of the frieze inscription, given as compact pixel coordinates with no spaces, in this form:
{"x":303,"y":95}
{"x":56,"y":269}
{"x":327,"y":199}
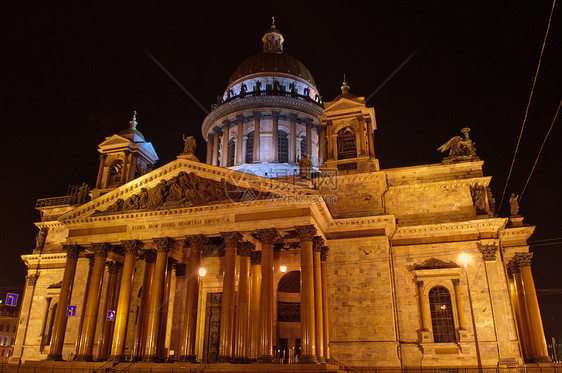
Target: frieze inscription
{"x":140,"y":227}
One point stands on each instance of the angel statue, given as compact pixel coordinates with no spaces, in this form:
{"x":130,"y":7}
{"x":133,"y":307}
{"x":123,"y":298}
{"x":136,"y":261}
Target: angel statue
{"x":189,"y":147}
{"x":459,"y":147}
{"x":305,"y":166}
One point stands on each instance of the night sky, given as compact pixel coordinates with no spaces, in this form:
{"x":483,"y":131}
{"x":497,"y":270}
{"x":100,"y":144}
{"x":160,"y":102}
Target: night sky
{"x":74,"y":75}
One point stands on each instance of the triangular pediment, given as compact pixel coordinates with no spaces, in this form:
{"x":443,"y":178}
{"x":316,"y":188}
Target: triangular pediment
{"x":114,"y":141}
{"x":184,"y":183}
{"x":434,"y":263}
{"x":345,"y":104}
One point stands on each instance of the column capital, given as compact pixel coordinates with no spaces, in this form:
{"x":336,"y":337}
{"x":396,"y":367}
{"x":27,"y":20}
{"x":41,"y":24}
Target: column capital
{"x":101,"y":249}
{"x":456,"y":282}
{"x":32,"y":279}
{"x":257,"y":115}
{"x":305,"y":232}
{"x":72,"y":251}
{"x":149,"y":256}
{"x":245,"y":248}
{"x":241,"y":118}
{"x":267,"y":236}
{"x":91,"y":257}
{"x":180,"y":268}
{"x":275,"y":114}
{"x":523,"y":259}
{"x":317,"y":243}
{"x":488,"y":251}
{"x":512,"y":267}
{"x":419,"y":283}
{"x":113,"y":267}
{"x":226,"y":125}
{"x":164,"y":244}
{"x":231,"y":238}
{"x":196,"y":241}
{"x":324,"y":253}
{"x":255,"y":258}
{"x":293,"y":117}
{"x":132,"y":246}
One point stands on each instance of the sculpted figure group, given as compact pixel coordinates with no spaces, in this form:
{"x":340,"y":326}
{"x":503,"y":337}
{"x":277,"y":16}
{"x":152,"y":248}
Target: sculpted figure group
{"x":184,"y":189}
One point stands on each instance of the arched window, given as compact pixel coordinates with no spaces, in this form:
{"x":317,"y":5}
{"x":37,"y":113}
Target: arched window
{"x":288,"y":311}
{"x":346,"y":144}
{"x":282,"y":146}
{"x":441,"y":315}
{"x":250,"y":148}
{"x":115,"y":171}
{"x":231,"y":152}
{"x":304,"y":145}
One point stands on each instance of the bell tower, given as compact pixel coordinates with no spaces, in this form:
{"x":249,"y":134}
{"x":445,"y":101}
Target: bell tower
{"x":347,"y":132}
{"x":123,"y":157}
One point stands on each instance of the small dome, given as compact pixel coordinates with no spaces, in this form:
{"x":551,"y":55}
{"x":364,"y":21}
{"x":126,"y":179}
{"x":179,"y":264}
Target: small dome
{"x":272,"y":63}
{"x":132,"y":133}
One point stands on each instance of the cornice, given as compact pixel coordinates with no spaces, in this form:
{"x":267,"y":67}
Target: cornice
{"x":479,"y":181}
{"x":386,"y":221}
{"x":34,"y":259}
{"x":517,"y":234}
{"x":478,"y":226}
{"x":49,"y":224}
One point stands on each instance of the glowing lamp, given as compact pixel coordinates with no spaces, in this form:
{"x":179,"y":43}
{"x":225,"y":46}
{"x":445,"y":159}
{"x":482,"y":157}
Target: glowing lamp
{"x":465,"y":258}
{"x":283,"y":269}
{"x":202,"y":272}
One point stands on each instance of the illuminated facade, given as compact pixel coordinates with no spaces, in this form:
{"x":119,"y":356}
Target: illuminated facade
{"x":199,"y":262}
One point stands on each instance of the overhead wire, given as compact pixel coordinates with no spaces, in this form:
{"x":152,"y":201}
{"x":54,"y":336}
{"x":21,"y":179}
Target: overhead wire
{"x":540,"y":150}
{"x":527,"y":108}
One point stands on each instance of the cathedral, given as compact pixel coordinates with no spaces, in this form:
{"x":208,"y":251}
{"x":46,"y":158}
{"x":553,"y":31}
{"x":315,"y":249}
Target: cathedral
{"x":287,"y":245}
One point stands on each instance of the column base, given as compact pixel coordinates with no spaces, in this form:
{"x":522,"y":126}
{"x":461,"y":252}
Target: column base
{"x":542,"y":360}
{"x":84,"y":358}
{"x":119,"y":358}
{"x":54,"y":357}
{"x":241,"y":360}
{"x":265,"y":360}
{"x":321,"y":360}
{"x":151,"y":359}
{"x":308,"y":359}
{"x":187,"y":359}
{"x":224,"y":359}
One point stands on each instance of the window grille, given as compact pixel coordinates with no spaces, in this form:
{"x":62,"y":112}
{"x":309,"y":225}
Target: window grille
{"x":282,"y":146}
{"x":441,"y":315}
{"x":346,"y":144}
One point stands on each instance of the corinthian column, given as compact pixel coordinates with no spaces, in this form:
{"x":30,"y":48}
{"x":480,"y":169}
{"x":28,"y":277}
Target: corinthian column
{"x":257,"y":137}
{"x":124,"y":301}
{"x":215,"y":157}
{"x":92,"y":303}
{"x":318,"y":242}
{"x":308,"y":328}
{"x":520,"y":306}
{"x":59,"y":326}
{"x":149,"y":256}
{"x":187,"y":347}
{"x":113,"y":272}
{"x":225,"y":138}
{"x":275,"y":141}
{"x":243,"y":309}
{"x":266,"y":237}
{"x":255,"y":285}
{"x":523,"y":260}
{"x":163,"y":246}
{"x":325,"y":316}
{"x":228,"y":289}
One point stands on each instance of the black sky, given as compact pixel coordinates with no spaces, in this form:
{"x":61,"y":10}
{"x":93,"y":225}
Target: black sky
{"x":73,"y":76}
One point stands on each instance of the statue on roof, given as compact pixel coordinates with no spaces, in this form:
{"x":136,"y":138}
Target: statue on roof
{"x":514,"y":205}
{"x":305,"y":166}
{"x":189,"y":145}
{"x":459,"y":148}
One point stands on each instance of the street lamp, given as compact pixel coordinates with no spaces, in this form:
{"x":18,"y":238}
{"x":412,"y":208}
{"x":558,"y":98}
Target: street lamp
{"x":464,"y":259}
{"x":202,"y":272}
{"x":283,"y":269}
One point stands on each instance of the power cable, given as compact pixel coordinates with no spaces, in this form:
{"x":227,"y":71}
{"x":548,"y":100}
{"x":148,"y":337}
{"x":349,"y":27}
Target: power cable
{"x":527,"y":108}
{"x":540,"y":150}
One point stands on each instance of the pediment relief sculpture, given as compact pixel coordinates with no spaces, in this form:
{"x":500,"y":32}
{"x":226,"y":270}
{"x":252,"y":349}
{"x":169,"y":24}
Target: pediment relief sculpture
{"x":434,"y":263}
{"x":184,"y":190}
